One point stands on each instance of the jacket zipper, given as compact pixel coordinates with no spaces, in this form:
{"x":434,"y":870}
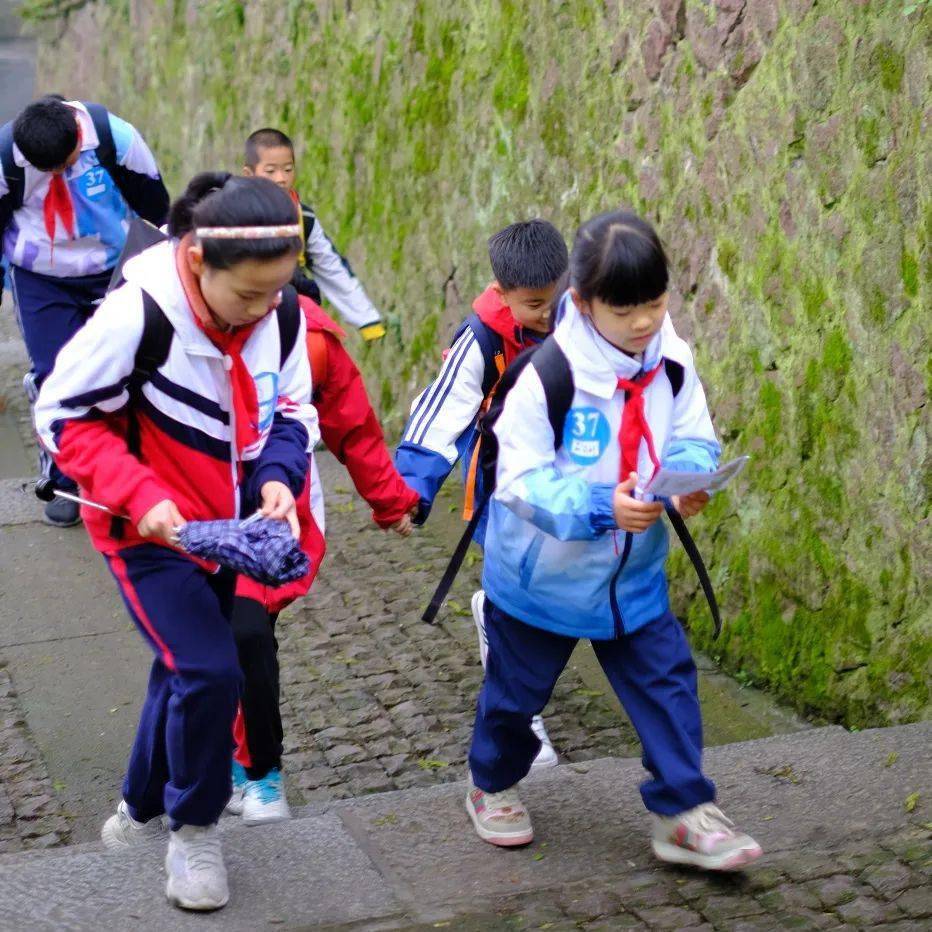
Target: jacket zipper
{"x":612,"y":594}
{"x":233,"y":454}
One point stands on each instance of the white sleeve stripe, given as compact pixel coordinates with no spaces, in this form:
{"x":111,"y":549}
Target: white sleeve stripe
{"x":432,"y":400}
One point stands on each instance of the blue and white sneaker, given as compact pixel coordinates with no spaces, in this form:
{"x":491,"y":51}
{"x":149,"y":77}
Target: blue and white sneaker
{"x":264,"y":800}
{"x":239,"y":781}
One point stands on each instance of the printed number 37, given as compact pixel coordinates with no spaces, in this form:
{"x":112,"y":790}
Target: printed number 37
{"x":585,"y":424}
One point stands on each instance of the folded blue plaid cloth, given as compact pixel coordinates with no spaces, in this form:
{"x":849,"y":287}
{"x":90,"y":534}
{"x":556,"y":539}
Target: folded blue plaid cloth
{"x":260,"y":548}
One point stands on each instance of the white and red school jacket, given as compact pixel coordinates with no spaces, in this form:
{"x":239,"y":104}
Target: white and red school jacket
{"x":187,"y":448}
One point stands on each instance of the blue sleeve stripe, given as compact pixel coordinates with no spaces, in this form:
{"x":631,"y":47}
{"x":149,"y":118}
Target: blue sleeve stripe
{"x":433,"y":399}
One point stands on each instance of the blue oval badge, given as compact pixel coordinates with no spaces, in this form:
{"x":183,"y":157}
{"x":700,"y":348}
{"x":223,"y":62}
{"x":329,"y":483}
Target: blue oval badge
{"x":586,"y":435}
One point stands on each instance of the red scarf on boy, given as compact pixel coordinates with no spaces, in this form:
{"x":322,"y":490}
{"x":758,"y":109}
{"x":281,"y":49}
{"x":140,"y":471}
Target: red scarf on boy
{"x":230,"y":343}
{"x":58,"y":205}
{"x":497,"y":316}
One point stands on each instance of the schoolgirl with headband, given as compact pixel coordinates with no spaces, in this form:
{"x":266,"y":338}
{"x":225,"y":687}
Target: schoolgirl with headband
{"x":219,"y":428}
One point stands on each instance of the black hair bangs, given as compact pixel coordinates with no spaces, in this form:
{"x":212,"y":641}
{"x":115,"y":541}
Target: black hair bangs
{"x":619,"y":259}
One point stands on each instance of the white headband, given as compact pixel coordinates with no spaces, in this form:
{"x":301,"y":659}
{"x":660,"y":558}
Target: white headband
{"x":290,"y":229}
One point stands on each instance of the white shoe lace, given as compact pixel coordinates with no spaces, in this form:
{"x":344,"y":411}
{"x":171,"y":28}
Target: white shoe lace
{"x":503,"y":800}
{"x":203,"y":852}
{"x":708,"y":819}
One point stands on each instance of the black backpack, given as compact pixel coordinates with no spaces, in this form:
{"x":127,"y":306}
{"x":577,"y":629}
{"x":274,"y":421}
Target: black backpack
{"x":556,"y":376}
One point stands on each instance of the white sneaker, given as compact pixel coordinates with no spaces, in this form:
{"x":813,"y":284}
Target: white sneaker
{"x":703,"y":837}
{"x":239,"y":781}
{"x":197,"y":877}
{"x":477,"y":604}
{"x":546,"y":756}
{"x":264,"y":800}
{"x":499,"y":818}
{"x":123,"y":831}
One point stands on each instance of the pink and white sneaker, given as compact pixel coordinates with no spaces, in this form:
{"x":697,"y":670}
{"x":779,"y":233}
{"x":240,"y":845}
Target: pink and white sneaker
{"x":499,"y":818}
{"x":703,"y":837}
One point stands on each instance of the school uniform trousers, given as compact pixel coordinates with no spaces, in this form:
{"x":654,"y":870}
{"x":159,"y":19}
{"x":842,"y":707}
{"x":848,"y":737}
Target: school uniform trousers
{"x":254,"y":634}
{"x":183,"y":752}
{"x":50,"y":312}
{"x":653,"y":674}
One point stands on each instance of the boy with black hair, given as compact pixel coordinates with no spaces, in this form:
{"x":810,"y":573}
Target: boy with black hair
{"x":528,"y":259}
{"x":269,"y":153}
{"x":73,"y":176}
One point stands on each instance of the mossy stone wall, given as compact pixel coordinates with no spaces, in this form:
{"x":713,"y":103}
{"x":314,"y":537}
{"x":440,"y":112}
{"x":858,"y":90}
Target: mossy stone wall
{"x":782,"y":148}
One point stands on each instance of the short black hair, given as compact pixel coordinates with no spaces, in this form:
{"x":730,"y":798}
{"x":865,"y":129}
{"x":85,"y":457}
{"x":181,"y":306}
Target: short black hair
{"x":219,"y":199}
{"x":46,"y":132}
{"x":529,"y":254}
{"x":265,"y":138}
{"x":619,"y":259}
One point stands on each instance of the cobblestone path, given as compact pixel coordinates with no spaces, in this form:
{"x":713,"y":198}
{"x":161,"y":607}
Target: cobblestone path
{"x":374,"y":699}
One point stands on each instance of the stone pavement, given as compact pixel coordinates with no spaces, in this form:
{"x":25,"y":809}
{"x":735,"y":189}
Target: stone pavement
{"x":843,"y":818}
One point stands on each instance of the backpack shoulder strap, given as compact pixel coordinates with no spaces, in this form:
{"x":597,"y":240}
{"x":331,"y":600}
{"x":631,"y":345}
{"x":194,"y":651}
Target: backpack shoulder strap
{"x":555,"y":374}
{"x":106,"y":147}
{"x":675,"y":374}
{"x":289,"y":323}
{"x":154,"y":344}
{"x":493,"y":351}
{"x":692,"y":551}
{"x":14,"y":175}
{"x":139,"y":237}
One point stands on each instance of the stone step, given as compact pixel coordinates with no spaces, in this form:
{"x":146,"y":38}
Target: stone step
{"x":823,"y":798}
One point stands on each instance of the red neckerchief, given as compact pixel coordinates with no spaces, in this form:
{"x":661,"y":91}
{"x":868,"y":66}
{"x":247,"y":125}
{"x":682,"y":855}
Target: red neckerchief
{"x":58,"y":205}
{"x":230,"y":343}
{"x":634,"y":427}
{"x":497,"y":316}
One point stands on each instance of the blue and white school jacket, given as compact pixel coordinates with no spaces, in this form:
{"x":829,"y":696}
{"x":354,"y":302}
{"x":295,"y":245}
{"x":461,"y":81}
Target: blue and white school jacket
{"x":554,"y":556}
{"x":101,"y":212}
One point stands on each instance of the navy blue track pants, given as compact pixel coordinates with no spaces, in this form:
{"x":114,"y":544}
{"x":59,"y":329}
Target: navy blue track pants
{"x":652,"y":672}
{"x":183,"y":753}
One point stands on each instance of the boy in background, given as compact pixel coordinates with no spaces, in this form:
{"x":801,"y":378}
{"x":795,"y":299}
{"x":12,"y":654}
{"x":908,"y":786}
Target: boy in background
{"x":528,"y":261}
{"x":73,"y":176}
{"x":269,"y":153}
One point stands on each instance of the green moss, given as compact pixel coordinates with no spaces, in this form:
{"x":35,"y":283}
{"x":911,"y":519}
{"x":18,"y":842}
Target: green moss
{"x":909,"y":270}
{"x":877,"y":307}
{"x":728,"y":257}
{"x":889,"y":64}
{"x":814,"y":297}
{"x":511,"y":90}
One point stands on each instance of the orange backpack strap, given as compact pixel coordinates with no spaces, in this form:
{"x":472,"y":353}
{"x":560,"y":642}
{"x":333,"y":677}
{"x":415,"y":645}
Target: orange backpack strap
{"x":317,"y":354}
{"x":469,"y":501}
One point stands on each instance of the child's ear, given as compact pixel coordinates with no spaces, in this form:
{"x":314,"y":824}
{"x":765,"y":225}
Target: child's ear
{"x":195,"y":259}
{"x":497,"y":288}
{"x":248,"y":171}
{"x":581,"y":305}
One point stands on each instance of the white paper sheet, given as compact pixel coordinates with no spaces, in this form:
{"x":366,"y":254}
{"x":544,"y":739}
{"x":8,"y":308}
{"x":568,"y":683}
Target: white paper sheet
{"x":667,"y":482}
